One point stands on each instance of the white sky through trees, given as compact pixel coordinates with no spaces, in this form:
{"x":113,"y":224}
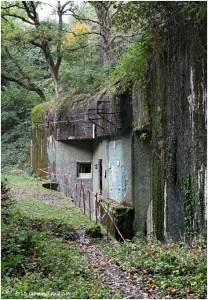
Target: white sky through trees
{"x":46,"y":10}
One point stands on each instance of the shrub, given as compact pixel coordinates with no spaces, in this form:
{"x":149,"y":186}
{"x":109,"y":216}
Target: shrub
{"x":6,"y":200}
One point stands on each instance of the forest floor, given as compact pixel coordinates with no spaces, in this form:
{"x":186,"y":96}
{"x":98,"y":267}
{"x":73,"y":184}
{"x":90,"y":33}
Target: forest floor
{"x":48,"y":255}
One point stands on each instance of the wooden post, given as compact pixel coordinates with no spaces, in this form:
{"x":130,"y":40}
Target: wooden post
{"x":50,"y":181}
{"x":89,"y":205}
{"x":96,"y":208}
{"x":80,"y":196}
{"x":107,"y":222}
{"x":84,"y":201}
{"x":76,"y":196}
{"x":99,"y":214}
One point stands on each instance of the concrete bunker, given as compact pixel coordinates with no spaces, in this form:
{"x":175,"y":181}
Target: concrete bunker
{"x":91,"y":155}
{"x":128,"y":150}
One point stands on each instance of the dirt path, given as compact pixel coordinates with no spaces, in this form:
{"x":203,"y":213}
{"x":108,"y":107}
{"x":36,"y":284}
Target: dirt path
{"x":110,"y":273}
{"x":106,"y":271}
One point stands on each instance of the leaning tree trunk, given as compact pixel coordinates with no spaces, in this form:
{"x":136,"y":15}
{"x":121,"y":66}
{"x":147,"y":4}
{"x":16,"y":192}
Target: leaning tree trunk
{"x":52,"y":67}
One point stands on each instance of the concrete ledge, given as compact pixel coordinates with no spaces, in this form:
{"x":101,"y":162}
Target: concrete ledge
{"x":123,"y":216}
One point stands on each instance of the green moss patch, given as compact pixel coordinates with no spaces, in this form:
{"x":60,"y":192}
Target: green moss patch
{"x":38,"y":112}
{"x":120,"y":215}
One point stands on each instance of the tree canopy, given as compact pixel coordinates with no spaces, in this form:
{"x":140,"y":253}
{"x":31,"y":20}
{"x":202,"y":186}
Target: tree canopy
{"x":33,"y":48}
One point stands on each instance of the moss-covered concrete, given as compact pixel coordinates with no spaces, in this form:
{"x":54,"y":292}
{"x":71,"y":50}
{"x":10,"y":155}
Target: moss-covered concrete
{"x":39,"y":145}
{"x":140,"y":109}
{"x":122,"y":215}
{"x":175,"y":97}
{"x":37,"y":113}
{"x":141,"y":181}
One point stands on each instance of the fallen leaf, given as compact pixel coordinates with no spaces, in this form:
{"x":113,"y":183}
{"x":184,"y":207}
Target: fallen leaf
{"x":152,"y":285}
{"x":171,"y":290}
{"x":188,"y":291}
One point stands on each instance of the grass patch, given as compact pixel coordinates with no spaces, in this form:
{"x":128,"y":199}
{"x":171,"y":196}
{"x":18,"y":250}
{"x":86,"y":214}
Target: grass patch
{"x":20,"y":180}
{"x":40,"y":258}
{"x":37,"y":202}
{"x":36,"y":209}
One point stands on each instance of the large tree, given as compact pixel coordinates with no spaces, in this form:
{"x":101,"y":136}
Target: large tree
{"x":104,"y":15}
{"x":33,"y":47}
{"x":104,"y":27}
{"x":31,"y":32}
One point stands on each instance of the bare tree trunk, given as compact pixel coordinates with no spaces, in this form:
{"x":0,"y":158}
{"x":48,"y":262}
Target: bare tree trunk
{"x":103,"y":14}
{"x":52,"y":68}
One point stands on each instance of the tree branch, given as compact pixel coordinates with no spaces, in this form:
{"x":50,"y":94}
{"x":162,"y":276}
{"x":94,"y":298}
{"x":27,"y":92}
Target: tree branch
{"x":30,"y":87}
{"x":81,"y":34}
{"x":10,"y":78}
{"x":35,"y":44}
{"x":78,"y":48}
{"x":83,"y":19}
{"x":113,"y":15}
{"x":34,"y":11}
{"x":120,"y":36}
{"x":11,"y":6}
{"x":33,"y":15}
{"x":16,"y":64}
{"x":18,"y":17}
{"x":64,"y":5}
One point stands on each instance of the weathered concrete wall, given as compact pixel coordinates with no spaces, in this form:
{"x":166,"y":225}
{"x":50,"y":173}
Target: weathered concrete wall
{"x":141,"y":177}
{"x":39,"y":156}
{"x":141,"y":162}
{"x":67,"y":155}
{"x":87,"y":116}
{"x":176,"y":100}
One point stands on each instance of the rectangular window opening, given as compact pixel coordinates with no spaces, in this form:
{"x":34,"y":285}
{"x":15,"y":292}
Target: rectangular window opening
{"x":84,"y":170}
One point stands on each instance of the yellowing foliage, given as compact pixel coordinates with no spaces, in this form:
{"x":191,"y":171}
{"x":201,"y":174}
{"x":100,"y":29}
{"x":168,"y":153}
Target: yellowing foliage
{"x":72,"y":38}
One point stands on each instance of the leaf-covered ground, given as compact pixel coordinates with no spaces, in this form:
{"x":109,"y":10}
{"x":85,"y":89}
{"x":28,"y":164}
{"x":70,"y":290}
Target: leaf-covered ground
{"x":46,"y":253}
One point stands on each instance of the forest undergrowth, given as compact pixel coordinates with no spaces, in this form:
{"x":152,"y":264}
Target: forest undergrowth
{"x":44,"y":257}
